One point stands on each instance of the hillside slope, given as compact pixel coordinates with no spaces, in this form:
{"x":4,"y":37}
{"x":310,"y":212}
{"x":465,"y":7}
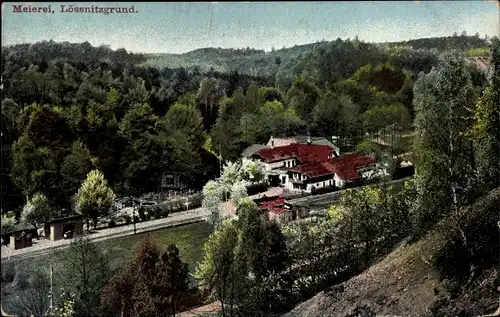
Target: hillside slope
{"x":261,"y":63}
{"x":406,"y":283}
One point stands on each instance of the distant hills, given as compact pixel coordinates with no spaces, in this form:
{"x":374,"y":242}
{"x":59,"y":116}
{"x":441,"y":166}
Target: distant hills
{"x":261,"y":63}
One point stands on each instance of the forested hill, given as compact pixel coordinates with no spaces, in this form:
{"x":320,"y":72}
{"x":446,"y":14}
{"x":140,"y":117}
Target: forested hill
{"x":67,"y":105}
{"x":462,"y":42}
{"x":259,"y":62}
{"x":81,"y":53}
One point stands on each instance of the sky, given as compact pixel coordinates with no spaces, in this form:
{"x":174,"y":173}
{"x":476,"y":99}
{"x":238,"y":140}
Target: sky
{"x":178,"y":27}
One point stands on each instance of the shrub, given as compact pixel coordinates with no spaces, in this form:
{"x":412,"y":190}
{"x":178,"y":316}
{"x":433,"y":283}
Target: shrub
{"x":111,"y":224}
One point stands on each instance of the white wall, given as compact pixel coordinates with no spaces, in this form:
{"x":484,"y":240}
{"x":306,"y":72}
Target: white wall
{"x":325,"y":183}
{"x":338,"y":181}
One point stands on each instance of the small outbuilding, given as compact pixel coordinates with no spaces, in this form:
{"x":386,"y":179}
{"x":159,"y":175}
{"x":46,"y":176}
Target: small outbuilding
{"x":58,"y":227}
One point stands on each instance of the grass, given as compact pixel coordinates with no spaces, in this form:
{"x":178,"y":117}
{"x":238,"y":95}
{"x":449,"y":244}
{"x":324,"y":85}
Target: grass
{"x":188,"y":238}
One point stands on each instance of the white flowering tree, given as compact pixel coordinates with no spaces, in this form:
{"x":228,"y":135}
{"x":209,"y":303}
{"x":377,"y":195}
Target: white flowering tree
{"x":253,"y":171}
{"x":94,"y":198}
{"x":231,"y":173}
{"x":239,"y":191}
{"x":38,"y":209}
{"x":212,"y":198}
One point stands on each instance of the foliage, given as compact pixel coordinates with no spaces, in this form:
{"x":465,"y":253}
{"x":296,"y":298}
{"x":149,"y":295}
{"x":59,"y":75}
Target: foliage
{"x":239,"y":191}
{"x":65,"y":307}
{"x":221,"y":272}
{"x":240,"y":255}
{"x":84,"y":270}
{"x":153,"y":283}
{"x":212,"y":197}
{"x":479,"y":51}
{"x":8,"y":222}
{"x":32,"y":296}
{"x":253,"y":171}
{"x":76,"y":166}
{"x":94,"y":198}
{"x":485,"y":130}
{"x":443,"y":100}
{"x":38,"y":209}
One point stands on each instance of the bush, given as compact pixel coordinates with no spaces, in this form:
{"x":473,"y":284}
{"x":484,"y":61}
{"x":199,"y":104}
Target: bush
{"x":111,"y":224}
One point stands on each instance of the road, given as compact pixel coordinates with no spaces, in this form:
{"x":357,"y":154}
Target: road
{"x":44,"y":246}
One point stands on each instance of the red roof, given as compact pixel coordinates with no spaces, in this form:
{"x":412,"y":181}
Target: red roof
{"x":345,"y":166}
{"x":312,"y":170}
{"x":304,"y":153}
{"x":274,"y":205}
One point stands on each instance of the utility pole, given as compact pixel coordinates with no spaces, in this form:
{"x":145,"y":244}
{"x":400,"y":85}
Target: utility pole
{"x":133,"y":214}
{"x":51,"y":308}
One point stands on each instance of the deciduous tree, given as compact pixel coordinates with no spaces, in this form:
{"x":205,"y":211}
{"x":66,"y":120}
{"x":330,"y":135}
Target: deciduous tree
{"x":84,"y":270}
{"x":94,"y":198}
{"x":37,"y":210}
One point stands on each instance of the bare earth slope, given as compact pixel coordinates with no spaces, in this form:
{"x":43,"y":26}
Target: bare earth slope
{"x":405,"y":283}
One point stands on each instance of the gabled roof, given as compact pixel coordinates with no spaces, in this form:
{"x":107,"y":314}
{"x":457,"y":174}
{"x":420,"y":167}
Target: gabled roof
{"x":273,"y":204}
{"x":346,"y":166}
{"x":304,"y":153}
{"x":312,"y":170}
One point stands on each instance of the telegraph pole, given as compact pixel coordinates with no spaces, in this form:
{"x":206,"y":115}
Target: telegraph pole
{"x":51,"y":290}
{"x":133,"y":215}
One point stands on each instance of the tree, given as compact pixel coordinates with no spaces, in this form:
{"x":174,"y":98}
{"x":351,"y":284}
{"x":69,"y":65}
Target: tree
{"x":75,"y":167}
{"x":8,"y":222}
{"x":94,"y":198}
{"x":221,"y":272}
{"x":253,"y":171}
{"x":153,"y":283}
{"x":231,"y":173}
{"x":239,"y":191}
{"x":486,"y":126}
{"x":37,"y":210}
{"x":34,"y":168}
{"x":174,"y":278}
{"x":443,"y":100}
{"x":31,"y":290}
{"x":84,"y":270}
{"x":302,"y":97}
{"x":186,"y":119}
{"x":212,"y":198}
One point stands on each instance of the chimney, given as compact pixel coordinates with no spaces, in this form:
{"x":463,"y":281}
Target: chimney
{"x":272,"y":141}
